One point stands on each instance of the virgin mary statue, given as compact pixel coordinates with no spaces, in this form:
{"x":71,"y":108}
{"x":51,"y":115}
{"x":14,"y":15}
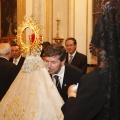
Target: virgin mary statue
{"x":32,"y":95}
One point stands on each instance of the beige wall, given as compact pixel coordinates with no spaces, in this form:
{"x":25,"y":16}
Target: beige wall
{"x":75,"y":19}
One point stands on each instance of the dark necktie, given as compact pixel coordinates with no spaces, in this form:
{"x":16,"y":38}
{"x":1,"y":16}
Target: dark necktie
{"x":57,"y":83}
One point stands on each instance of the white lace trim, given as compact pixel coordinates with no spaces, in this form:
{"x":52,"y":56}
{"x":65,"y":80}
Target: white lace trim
{"x":32,"y":63}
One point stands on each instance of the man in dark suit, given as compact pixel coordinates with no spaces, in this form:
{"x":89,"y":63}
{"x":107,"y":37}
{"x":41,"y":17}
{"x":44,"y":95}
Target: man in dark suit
{"x":73,"y":57}
{"x":89,"y":101}
{"x":55,"y":56}
{"x":8,"y":70}
{"x":16,"y":56}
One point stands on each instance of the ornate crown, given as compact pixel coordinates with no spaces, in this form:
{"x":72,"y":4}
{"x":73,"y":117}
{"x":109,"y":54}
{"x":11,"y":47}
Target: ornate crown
{"x":35,"y":45}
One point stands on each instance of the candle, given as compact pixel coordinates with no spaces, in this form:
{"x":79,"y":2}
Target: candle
{"x":58,"y":16}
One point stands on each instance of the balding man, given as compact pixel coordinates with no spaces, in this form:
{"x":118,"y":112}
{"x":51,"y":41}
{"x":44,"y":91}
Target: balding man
{"x":7,"y":69}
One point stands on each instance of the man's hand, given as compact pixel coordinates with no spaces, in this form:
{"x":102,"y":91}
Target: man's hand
{"x":71,"y":91}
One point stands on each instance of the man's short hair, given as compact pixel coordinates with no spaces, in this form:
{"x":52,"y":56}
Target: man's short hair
{"x":73,"y":39}
{"x":15,"y":44}
{"x":54,"y":50}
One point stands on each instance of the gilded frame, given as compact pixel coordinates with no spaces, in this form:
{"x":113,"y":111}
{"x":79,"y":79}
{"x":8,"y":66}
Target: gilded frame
{"x":20,"y":12}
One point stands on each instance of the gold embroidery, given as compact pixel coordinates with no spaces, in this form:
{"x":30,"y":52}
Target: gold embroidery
{"x":14,"y":111}
{"x":33,"y":113}
{"x":32,"y":94}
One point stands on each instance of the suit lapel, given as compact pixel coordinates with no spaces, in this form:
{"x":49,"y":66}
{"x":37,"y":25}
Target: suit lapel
{"x":21,"y":61}
{"x":66,"y":77}
{"x":11,"y":60}
{"x":74,"y":61}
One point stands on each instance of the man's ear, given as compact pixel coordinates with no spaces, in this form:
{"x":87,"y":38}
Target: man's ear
{"x":76,"y":46}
